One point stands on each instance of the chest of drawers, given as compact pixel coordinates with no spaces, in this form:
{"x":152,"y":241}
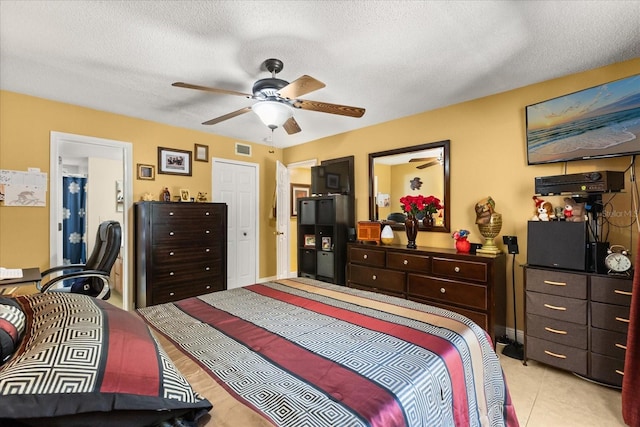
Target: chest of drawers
{"x":578,"y":322}
{"x":180,"y":250}
{"x":467,"y":284}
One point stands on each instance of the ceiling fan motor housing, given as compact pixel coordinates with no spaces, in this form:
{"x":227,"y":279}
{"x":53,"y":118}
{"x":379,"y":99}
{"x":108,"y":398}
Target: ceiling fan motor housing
{"x":268,"y":88}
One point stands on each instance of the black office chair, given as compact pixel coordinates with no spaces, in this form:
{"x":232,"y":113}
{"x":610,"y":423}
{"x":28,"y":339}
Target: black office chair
{"x":397,"y":217}
{"x":91,"y":278}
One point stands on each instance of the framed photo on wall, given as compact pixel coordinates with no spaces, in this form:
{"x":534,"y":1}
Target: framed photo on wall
{"x":146,"y":172}
{"x":174,"y":162}
{"x":201,"y":153}
{"x":298,"y":191}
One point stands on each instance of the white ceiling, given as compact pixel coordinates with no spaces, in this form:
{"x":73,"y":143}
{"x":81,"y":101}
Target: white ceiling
{"x":394,"y":58}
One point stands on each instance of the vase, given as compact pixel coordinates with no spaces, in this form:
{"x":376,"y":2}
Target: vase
{"x":463,"y":245}
{"x":411,"y":228}
{"x":387,"y":235}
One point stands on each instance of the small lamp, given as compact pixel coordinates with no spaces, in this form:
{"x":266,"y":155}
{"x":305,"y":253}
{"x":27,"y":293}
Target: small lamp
{"x":273,"y":113}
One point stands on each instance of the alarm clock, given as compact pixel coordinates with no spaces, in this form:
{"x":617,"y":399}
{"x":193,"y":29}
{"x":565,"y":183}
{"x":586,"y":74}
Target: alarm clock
{"x":617,"y":260}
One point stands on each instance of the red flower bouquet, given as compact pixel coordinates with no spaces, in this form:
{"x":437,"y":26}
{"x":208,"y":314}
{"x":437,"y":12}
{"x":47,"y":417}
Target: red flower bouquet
{"x":414,"y":205}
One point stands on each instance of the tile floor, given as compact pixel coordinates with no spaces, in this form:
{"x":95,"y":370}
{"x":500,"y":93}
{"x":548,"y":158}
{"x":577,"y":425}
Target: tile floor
{"x":544,"y":396}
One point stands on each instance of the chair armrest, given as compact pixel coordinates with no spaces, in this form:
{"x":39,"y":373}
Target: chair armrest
{"x":61,"y":267}
{"x":104,"y":276}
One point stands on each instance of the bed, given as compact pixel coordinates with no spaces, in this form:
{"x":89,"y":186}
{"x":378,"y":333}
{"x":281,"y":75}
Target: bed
{"x":295,"y":352}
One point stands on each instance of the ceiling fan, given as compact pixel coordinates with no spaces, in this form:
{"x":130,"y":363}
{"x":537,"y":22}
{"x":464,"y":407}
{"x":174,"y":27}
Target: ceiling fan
{"x":277,"y":99}
{"x":428,"y":161}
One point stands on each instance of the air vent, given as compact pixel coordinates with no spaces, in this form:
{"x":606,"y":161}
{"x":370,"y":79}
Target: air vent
{"x":243,"y":150}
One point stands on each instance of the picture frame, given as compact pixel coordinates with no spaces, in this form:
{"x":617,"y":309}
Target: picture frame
{"x":333,"y":181}
{"x":298,"y":191}
{"x":172,"y":161}
{"x":201,"y":153}
{"x":326,"y":243}
{"x":309,"y":240}
{"x":147,"y":172}
{"x":185,"y":195}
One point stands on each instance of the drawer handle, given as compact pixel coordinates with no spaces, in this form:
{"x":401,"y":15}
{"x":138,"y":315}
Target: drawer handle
{"x":618,"y":371}
{"x":170,"y":213}
{"x":171,"y":233}
{"x":374,"y":277}
{"x":624,"y":347}
{"x":171,"y":253}
{"x":365,"y":256}
{"x":207,"y":232}
{"x":171,"y":273}
{"x":559,"y":356}
{"x":443,"y":290}
{"x":619,"y":292}
{"x":457,"y":269}
{"x":549,"y":282}
{"x":207,"y":250}
{"x":206,"y":213}
{"x":208,"y":287}
{"x":555,"y":331}
{"x":207,"y":268}
{"x":405,"y":262}
{"x":622,"y":319}
{"x":172,"y":293}
{"x":553,"y":307}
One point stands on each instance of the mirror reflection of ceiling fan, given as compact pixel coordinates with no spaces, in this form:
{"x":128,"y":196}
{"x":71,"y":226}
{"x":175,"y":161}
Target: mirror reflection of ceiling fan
{"x":427,"y":161}
{"x":278,"y":98}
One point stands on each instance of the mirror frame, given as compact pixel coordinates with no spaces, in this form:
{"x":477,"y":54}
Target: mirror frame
{"x":446,"y":227}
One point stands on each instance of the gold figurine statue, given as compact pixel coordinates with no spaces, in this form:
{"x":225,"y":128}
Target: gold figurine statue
{"x":489,"y":223}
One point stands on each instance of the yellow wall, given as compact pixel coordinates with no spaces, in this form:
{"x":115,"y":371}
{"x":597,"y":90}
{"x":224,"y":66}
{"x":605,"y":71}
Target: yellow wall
{"x":25,"y":126}
{"x":488,"y":158}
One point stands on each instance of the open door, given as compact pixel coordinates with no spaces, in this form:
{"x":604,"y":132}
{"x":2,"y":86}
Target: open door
{"x":282,"y":220}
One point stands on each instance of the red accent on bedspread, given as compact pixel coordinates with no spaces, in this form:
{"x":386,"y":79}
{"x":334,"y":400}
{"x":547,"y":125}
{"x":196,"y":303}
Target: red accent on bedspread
{"x":132,"y":364}
{"x":358,"y":393}
{"x":631,"y":379}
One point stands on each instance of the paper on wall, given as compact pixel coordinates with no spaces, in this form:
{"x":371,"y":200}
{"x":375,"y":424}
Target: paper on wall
{"x":19,"y":188}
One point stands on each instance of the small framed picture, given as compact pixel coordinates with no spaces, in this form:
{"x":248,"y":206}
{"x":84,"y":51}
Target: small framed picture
{"x":185,"y":195}
{"x":333,"y":181}
{"x":201,"y":153}
{"x":174,"y":162}
{"x":298,"y":191}
{"x":326,"y":243}
{"x":309,"y":241}
{"x":146,"y":172}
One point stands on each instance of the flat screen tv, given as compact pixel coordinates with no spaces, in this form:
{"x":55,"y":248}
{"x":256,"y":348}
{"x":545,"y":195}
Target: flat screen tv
{"x":332,"y":178}
{"x":602,"y":121}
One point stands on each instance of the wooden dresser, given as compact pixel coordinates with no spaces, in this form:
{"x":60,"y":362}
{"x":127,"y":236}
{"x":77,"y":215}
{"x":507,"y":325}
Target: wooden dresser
{"x":578,"y":322}
{"x":181,"y":250}
{"x":471,"y":285}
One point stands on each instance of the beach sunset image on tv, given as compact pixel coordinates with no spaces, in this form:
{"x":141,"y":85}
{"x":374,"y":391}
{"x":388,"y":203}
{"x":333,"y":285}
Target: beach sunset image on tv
{"x":603,"y":121}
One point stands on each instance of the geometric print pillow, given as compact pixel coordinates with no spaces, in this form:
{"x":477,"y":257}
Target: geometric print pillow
{"x":12,"y":323}
{"x":84,"y":361}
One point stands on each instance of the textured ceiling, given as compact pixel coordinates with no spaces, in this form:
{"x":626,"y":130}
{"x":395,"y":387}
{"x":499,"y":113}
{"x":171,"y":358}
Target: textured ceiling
{"x":394,"y":58}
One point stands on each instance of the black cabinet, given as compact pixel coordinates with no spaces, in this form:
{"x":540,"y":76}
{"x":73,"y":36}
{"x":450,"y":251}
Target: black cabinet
{"x":322,"y":237}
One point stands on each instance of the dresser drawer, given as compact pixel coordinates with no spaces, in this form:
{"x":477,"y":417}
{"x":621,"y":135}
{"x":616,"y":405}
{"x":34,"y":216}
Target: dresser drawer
{"x":167,"y":254}
{"x":556,"y":307}
{"x":557,"y":283}
{"x":607,"y":369}
{"x":169,"y":212}
{"x":479,"y":318}
{"x":458,"y":269}
{"x":609,"y":343}
{"x":377,"y":278}
{"x":449,"y":291}
{"x":611,"y":290}
{"x":408,"y":262}
{"x":558,"y":355}
{"x":176,"y":234}
{"x":567,"y":333}
{"x":366,"y":256}
{"x":178,"y":291}
{"x":168,"y":273}
{"x":609,"y":316}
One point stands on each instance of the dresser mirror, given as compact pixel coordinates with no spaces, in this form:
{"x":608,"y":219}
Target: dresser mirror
{"x":417,"y":170}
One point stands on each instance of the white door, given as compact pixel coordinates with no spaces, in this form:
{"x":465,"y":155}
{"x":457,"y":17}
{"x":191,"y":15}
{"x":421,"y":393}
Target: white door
{"x":236,"y":184}
{"x":282,"y":220}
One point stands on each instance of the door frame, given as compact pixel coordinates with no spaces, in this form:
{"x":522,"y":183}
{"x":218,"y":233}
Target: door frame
{"x":256,"y":237}
{"x":57,"y":139}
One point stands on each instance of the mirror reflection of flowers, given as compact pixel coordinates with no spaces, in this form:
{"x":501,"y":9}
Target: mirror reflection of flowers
{"x":420,"y":206}
{"x":460,"y":234}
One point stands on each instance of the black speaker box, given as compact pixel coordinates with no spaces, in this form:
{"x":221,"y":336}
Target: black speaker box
{"x":351,"y":234}
{"x":597,"y":254}
{"x":558,"y":244}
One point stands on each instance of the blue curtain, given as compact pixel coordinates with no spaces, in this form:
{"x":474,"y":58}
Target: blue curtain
{"x":74,"y":207}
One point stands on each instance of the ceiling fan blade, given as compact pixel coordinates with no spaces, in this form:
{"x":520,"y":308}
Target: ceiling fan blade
{"x":211,"y":89}
{"x":227,"y":116}
{"x":422,"y":159}
{"x":324,"y":107}
{"x":300,"y":86}
{"x":291,"y":126}
{"x":426,"y":165}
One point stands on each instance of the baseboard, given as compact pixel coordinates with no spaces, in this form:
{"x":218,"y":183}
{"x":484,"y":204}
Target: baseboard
{"x":509,"y":332}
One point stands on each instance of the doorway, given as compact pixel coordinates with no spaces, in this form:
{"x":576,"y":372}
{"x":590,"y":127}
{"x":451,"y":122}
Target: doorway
{"x":236,"y":184}
{"x":107,"y":165}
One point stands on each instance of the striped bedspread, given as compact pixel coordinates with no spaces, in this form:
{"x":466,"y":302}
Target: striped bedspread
{"x":299,"y":352}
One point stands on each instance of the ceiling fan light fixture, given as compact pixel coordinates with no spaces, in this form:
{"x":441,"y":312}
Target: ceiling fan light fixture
{"x":273,"y":113}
